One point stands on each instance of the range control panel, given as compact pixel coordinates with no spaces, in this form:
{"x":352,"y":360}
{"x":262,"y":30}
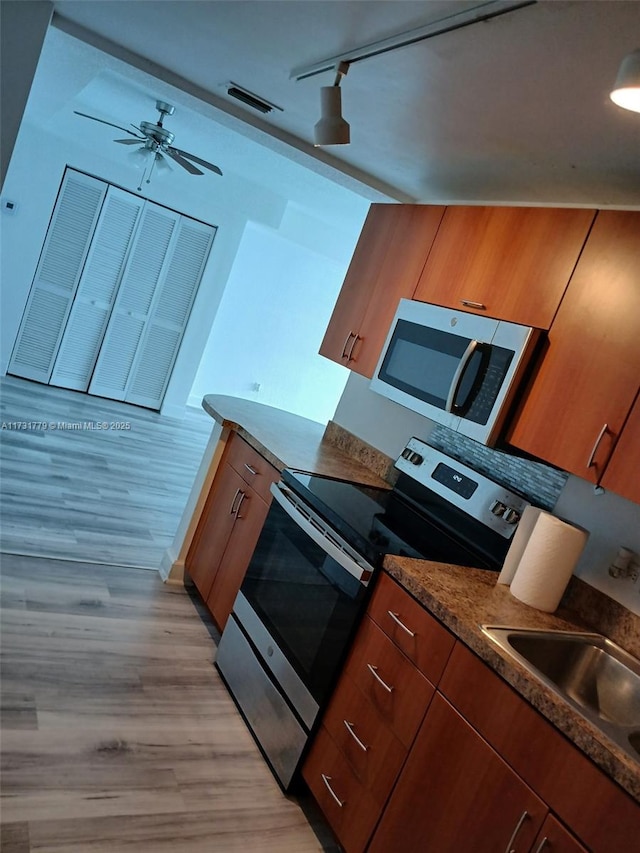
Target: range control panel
{"x":480,"y":497}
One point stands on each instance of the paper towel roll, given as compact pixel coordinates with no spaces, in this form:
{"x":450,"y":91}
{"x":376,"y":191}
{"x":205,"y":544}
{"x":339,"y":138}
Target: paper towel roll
{"x":547,"y":562}
{"x":519,"y":543}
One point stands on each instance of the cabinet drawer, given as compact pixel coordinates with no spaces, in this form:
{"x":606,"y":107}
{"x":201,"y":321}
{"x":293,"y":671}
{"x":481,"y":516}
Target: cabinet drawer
{"x":373,"y":750}
{"x":421,"y":637}
{"x":395,"y":688}
{"x":347,"y":805}
{"x":251,"y":466}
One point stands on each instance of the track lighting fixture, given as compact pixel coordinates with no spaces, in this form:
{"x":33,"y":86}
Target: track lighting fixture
{"x":332,"y":129}
{"x":626,"y":90}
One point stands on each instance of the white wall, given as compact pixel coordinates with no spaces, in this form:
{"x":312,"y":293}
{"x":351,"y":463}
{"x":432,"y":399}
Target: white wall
{"x":610,"y":520}
{"x":275,"y":309}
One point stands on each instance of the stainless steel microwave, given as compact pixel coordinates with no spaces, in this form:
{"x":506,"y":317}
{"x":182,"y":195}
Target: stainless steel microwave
{"x":458,"y":369}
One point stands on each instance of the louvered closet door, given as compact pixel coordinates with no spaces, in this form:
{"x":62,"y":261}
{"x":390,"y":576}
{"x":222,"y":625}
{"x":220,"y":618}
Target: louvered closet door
{"x":97,"y":290}
{"x":57,"y":275}
{"x":169,"y":314}
{"x":153,"y":241}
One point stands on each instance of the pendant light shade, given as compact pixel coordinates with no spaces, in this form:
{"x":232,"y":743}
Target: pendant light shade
{"x":332,"y":129}
{"x":626,"y":91}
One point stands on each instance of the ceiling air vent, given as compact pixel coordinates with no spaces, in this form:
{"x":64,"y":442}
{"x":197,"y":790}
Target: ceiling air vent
{"x":251,"y":99}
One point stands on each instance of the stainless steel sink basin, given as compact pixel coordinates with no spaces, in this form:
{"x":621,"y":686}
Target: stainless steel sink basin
{"x":593,"y":674}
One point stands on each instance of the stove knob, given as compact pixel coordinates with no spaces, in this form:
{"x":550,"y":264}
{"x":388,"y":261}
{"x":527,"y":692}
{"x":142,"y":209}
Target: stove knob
{"x":498,"y":508}
{"x":511,"y":516}
{"x":416,"y":458}
{"x":406,"y":453}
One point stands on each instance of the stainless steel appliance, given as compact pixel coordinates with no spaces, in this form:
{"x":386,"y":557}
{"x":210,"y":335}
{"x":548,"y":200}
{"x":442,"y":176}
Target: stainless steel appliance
{"x":458,"y":369}
{"x":308,"y":581}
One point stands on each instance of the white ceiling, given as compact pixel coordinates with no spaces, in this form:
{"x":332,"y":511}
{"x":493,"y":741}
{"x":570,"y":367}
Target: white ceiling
{"x":510,"y":110}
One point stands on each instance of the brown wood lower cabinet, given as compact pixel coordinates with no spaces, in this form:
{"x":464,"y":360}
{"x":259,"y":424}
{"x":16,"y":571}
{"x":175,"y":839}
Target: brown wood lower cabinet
{"x":456,"y":793}
{"x":231,"y":521}
{"x":461,"y":764}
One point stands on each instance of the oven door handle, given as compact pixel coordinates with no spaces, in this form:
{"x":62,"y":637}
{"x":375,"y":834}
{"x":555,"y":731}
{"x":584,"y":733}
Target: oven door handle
{"x":320,"y":536}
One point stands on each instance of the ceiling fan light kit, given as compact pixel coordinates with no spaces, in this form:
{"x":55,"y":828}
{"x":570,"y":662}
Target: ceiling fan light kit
{"x":626,"y":90}
{"x":155,"y":142}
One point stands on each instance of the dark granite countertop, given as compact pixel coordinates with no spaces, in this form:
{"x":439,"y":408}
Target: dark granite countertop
{"x":463,"y":599}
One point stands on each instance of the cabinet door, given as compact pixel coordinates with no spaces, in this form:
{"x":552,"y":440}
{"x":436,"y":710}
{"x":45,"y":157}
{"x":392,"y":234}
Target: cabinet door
{"x":588,"y":379}
{"x":456,"y":793}
{"x":512,"y":263}
{"x":622,"y":475}
{"x":554,"y":838}
{"x":385,"y":267}
{"x":250,"y":514}
{"x":214,"y":530}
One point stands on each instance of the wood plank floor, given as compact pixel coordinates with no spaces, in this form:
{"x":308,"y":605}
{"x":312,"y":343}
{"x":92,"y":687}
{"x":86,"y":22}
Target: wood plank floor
{"x":99,"y":496}
{"x":118,"y":734}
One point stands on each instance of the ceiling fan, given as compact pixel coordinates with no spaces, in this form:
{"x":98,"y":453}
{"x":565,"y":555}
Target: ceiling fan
{"x":155,"y":139}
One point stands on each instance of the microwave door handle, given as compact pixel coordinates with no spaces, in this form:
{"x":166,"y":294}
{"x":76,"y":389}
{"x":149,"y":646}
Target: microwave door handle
{"x":459,"y":375}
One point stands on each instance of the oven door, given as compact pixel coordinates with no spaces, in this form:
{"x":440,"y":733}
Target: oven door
{"x":307,"y":588}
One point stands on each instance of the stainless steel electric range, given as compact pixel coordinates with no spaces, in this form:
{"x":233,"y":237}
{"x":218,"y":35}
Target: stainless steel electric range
{"x":312,"y":571}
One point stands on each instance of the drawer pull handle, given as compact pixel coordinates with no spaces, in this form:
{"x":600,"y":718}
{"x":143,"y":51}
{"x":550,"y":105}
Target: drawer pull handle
{"x":250,"y":469}
{"x":604,"y":429}
{"x":470,"y":304}
{"x":542,"y":845}
{"x":510,"y":848}
{"x":396,"y":619}
{"x":374,"y":671}
{"x":326,"y":780}
{"x":362,"y":746}
{"x":346,"y":344}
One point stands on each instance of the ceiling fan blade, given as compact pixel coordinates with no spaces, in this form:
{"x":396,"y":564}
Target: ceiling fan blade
{"x":135,"y":141}
{"x":102,"y":121}
{"x":177,"y":156}
{"x":197,"y":160}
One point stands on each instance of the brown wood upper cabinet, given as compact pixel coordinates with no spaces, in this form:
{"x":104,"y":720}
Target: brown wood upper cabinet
{"x":576,"y":406}
{"x":386,"y":265}
{"x":512,"y":263}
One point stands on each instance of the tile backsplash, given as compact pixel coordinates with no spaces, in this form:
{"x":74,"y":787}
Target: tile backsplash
{"x":539,"y":483}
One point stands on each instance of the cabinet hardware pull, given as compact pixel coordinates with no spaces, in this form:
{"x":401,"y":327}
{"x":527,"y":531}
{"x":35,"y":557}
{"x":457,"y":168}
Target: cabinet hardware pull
{"x":346,"y":344}
{"x":240,"y":502}
{"x":470,"y":304}
{"x":326,"y":780}
{"x":374,"y":671}
{"x":250,"y":469}
{"x":233,"y":503}
{"x":362,"y":746}
{"x":395,"y":618}
{"x":542,"y":845}
{"x":356,"y":338}
{"x":604,"y":429}
{"x":510,"y":848}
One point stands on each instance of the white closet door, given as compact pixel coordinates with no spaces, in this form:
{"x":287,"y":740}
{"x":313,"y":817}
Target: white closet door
{"x":57,"y":276}
{"x":153,"y":240}
{"x":97,"y":290}
{"x":169,"y":314}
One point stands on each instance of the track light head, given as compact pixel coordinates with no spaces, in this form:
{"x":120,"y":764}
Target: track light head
{"x":626,"y":90}
{"x":332,"y":129}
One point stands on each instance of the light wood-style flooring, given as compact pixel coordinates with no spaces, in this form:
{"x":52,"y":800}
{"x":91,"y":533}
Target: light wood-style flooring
{"x":118,"y":735}
{"x":110,"y":496}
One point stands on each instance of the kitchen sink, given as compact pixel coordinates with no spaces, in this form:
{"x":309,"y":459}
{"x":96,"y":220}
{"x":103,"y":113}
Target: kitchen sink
{"x":597,"y":677}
